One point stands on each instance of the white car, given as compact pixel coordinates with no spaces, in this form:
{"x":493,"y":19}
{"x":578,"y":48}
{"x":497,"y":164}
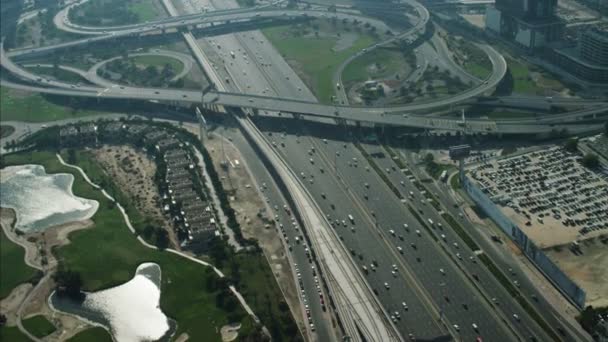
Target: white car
{"x":387,"y":286}
{"x":405,"y":307}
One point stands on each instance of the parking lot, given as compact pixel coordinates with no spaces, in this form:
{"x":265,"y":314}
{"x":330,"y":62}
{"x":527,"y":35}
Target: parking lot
{"x":552,"y":197}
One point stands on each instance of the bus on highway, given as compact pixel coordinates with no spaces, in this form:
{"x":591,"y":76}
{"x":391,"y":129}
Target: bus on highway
{"x":444,"y":176}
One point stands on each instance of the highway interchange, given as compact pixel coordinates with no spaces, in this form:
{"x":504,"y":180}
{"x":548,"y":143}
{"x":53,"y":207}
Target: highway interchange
{"x":445,"y":291}
{"x":395,"y":115}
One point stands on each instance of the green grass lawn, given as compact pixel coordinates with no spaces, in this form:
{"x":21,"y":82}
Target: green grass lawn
{"x":455,"y":182}
{"x":522,"y":81}
{"x":390,"y":62}
{"x":160,"y":62}
{"x":477,"y":63}
{"x":144,"y":9}
{"x":478,"y":70}
{"x":116,"y":12}
{"x":12,"y":334}
{"x":313,"y":58}
{"x":14,"y":271}
{"x":260,"y":289}
{"x":473,"y":59}
{"x":92,"y":335}
{"x":32,"y":107}
{"x":60,"y":74}
{"x":108,"y":254}
{"x":39,"y":326}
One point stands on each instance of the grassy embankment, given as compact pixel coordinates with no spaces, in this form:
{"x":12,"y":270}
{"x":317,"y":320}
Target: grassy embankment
{"x":12,"y":334}
{"x":108,"y":255}
{"x":116,"y":12}
{"x":32,"y":107}
{"x":314,"y":58}
{"x":376,"y":64}
{"x":149,"y":71}
{"x":474,"y":60}
{"x":92,"y":335}
{"x":57,"y":73}
{"x":525,"y":83}
{"x":41,"y":30}
{"x":159,"y":62}
{"x":39,"y":326}
{"x":14,"y":270}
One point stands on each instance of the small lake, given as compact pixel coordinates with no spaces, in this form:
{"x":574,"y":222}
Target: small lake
{"x":130,"y":311}
{"x":42,"y":200}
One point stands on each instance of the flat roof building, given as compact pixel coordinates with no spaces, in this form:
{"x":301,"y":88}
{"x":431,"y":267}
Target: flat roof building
{"x":531,"y":24}
{"x":587,"y":59}
{"x":594,"y":46}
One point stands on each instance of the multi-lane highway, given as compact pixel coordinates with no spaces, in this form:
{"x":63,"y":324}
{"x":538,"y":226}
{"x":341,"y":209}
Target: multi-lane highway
{"x":385,"y":278}
{"x":395,"y":115}
{"x":427,"y":281}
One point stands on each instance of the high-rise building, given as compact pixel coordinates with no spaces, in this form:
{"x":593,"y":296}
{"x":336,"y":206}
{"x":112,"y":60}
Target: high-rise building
{"x":528,"y":9}
{"x":594,"y":46}
{"x":587,"y":60}
{"x":529,"y":23}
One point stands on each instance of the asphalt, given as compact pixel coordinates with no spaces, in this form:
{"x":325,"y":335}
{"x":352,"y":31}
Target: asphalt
{"x":388,"y":115}
{"x":372,"y":239}
{"x":504,"y":261}
{"x":491,"y":288}
{"x":281,"y":79}
{"x":309,"y":284}
{"x":418,"y":283}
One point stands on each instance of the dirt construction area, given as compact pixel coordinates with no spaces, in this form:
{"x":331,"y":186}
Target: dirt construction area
{"x":589,"y":269}
{"x":253,"y":214}
{"x":133,"y":171}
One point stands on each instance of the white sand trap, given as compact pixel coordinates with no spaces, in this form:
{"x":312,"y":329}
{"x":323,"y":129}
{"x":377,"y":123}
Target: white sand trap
{"x":230,"y":332}
{"x":133,"y":308}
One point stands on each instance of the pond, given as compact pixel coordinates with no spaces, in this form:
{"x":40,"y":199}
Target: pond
{"x":42,"y":200}
{"x":131,"y":311}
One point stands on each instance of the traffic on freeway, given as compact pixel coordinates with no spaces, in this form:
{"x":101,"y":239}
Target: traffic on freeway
{"x":373,"y":247}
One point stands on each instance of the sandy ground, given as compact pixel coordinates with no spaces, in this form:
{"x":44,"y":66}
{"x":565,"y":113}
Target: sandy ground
{"x":132,"y":170}
{"x":589,"y":270}
{"x":478,"y":20}
{"x":230,"y":332}
{"x":183,"y":337}
{"x":38,"y":247}
{"x":10,"y":304}
{"x":248,"y":203}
